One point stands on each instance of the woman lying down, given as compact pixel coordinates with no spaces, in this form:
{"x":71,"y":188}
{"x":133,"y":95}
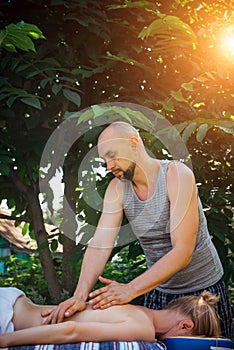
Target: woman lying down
{"x":21,"y":321}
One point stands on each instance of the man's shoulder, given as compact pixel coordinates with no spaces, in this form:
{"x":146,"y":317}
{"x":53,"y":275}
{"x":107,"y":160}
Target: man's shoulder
{"x":115,"y":188}
{"x":116,"y":183}
{"x":113,"y":199}
{"x":178,"y":168}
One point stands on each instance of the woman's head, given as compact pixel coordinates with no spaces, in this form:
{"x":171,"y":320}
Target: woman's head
{"x":201,"y":310}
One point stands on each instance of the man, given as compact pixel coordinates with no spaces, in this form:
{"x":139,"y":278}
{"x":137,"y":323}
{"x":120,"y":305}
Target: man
{"x":161,"y":203}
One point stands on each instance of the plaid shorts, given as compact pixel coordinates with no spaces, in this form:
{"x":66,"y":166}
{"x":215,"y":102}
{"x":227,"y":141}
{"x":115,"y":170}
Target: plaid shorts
{"x":158,"y":300}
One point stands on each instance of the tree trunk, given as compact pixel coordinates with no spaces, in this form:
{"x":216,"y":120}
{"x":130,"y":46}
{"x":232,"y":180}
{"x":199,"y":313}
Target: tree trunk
{"x":68,"y":267}
{"x":31,"y":192}
{"x":69,"y":228}
{"x":45,"y":255}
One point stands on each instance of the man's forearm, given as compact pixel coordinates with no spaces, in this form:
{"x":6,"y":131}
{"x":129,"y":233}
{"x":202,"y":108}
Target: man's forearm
{"x":92,"y":267}
{"x":174,"y":261}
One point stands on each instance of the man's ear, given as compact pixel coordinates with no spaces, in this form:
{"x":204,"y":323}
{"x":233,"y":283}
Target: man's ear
{"x":134,"y":142}
{"x":186,"y":325}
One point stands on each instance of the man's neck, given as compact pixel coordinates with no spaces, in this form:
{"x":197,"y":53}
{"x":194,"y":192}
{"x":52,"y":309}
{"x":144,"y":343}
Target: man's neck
{"x":145,"y":178}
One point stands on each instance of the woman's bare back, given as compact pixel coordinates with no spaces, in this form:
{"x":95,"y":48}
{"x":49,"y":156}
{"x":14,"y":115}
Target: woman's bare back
{"x":27,"y":314}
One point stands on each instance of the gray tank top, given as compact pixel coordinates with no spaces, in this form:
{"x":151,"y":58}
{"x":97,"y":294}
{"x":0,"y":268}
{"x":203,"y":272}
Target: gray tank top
{"x":150,"y":223}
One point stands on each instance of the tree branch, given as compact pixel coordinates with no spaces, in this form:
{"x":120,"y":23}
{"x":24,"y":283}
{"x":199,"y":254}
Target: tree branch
{"x":29,"y":170}
{"x":14,"y":218}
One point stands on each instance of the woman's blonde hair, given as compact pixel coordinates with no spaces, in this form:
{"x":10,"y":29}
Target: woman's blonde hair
{"x":201,"y":309}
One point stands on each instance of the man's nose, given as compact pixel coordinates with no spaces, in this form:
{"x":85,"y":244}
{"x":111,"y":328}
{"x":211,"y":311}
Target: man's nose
{"x":110,"y":164}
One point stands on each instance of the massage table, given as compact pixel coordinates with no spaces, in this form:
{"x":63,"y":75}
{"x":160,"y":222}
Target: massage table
{"x":135,"y":345}
{"x":173,"y":343}
{"x":197,"y":343}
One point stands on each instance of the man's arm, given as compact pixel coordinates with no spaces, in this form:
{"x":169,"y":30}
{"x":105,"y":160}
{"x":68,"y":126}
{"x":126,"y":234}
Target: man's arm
{"x":184,"y":220}
{"x":96,"y":255}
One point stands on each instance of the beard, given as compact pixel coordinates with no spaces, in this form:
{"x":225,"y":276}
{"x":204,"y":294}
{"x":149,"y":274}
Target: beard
{"x":129,"y":173}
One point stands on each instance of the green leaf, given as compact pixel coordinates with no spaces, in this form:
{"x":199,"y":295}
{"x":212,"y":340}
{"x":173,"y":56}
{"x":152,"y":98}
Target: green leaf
{"x":98,"y":110}
{"x":56,"y":88}
{"x":217,"y":229}
{"x":4,"y":169}
{"x":68,"y":115}
{"x":201,"y":79}
{"x":54,"y":245}
{"x":5,"y":60}
{"x":3,"y":35}
{"x":188,"y":131}
{"x":6,"y":159}
{"x":122,"y":112}
{"x":10,"y":101}
{"x":132,"y":4}
{"x":18,"y":36}
{"x":181,"y":126}
{"x":9,"y":47}
{"x":178,"y":96}
{"x":25,"y":228}
{"x":226,"y":126}
{"x":168,"y":26}
{"x":210,"y":75}
{"x":136,"y":117}
{"x":30,"y":29}
{"x":127,"y":60}
{"x":85,"y":116}
{"x":44,"y":82}
{"x":33,"y":102}
{"x":23,"y":43}
{"x":72,"y":96}
{"x":201,"y":132}
{"x":167,"y":105}
{"x":187,"y":86}
{"x":17,"y":223}
{"x":16,"y":63}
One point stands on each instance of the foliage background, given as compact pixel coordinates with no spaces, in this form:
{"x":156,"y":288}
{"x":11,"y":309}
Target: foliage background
{"x":59,"y":57}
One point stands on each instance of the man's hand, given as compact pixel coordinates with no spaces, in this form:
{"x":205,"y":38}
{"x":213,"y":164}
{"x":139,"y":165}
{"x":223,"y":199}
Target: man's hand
{"x":65,"y":309}
{"x":113,"y":293}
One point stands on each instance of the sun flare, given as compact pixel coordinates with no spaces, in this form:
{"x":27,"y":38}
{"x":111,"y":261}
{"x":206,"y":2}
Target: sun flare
{"x":227,"y":41}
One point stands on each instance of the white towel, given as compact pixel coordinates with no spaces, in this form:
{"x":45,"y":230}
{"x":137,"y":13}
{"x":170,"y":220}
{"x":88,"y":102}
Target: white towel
{"x":8,"y":297}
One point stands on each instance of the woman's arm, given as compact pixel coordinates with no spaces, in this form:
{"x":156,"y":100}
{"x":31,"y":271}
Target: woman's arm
{"x":71,"y":332}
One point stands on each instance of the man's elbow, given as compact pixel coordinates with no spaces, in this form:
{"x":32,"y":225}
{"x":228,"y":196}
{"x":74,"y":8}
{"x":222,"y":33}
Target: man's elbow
{"x":184,"y":256}
{"x":187,"y":259}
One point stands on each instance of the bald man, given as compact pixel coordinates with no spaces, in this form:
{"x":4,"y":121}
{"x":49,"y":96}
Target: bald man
{"x":160,"y":200}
